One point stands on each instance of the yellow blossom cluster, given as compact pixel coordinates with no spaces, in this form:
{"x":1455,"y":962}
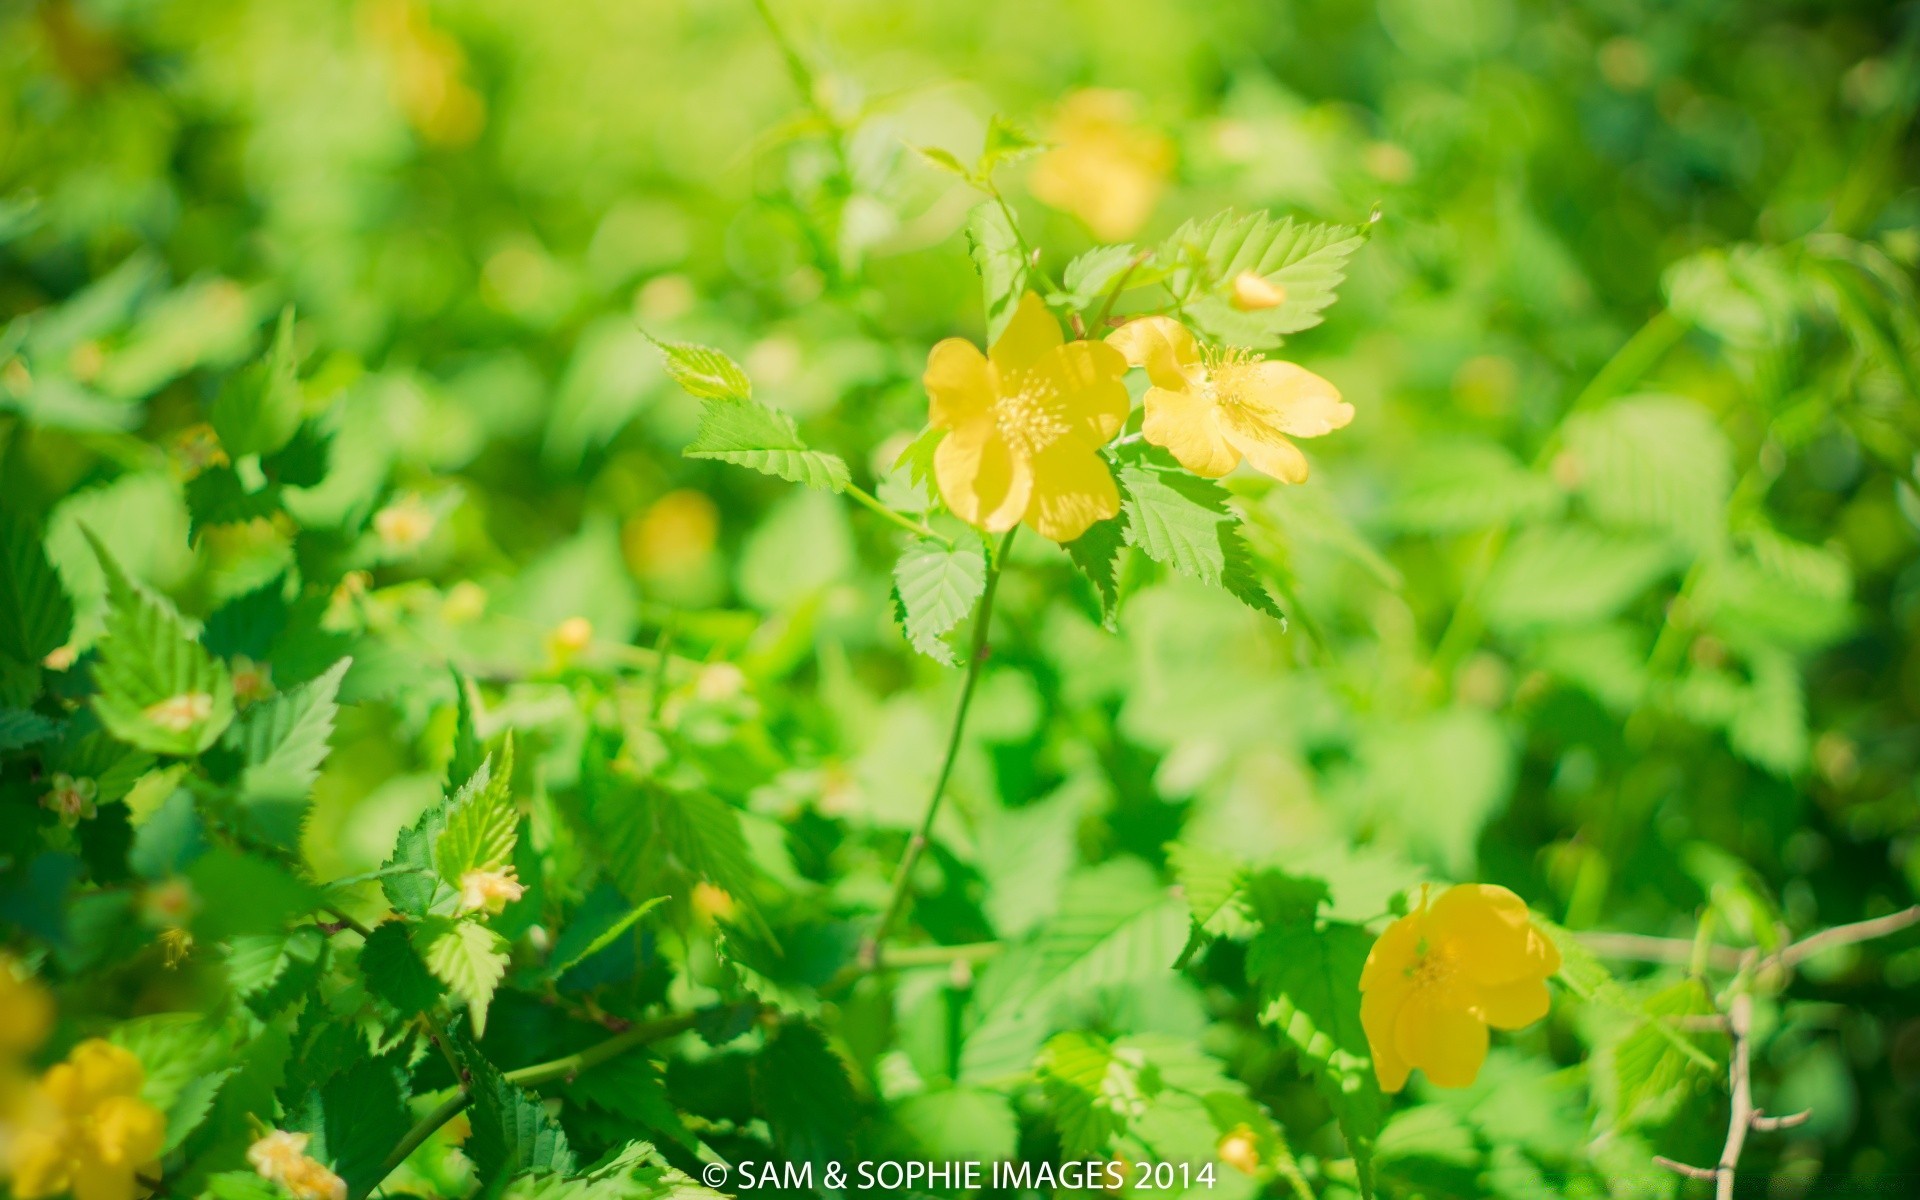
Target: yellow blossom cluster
{"x":82,"y":1127}
{"x":489,"y":891}
{"x":1026,"y":420}
{"x":282,"y":1158}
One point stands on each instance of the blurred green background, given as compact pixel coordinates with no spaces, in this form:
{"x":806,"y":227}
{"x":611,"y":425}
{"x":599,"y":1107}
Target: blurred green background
{"x":1609,"y":594}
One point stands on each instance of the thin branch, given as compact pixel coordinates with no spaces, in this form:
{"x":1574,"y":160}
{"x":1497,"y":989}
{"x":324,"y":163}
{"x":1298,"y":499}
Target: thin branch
{"x":1847,"y":935}
{"x":868,"y":500}
{"x":1640,"y":947}
{"x":869,"y":956}
{"x":1680,"y":1168}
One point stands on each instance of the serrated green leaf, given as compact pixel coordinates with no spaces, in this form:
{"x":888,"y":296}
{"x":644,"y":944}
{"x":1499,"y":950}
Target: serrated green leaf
{"x":633,"y":1087}
{"x":21,"y":727}
{"x":466,"y":956}
{"x":1097,"y":554}
{"x":801,"y":1087}
{"x":937,"y":587}
{"x":216,"y":496}
{"x":159,"y":690}
{"x":1207,"y":879}
{"x":468,"y":753}
{"x":355,"y":1117}
{"x":946,"y":160}
{"x":1184,"y":521}
{"x":749,"y":434}
{"x":513,"y":1133}
{"x":260,"y":408}
{"x":1005,"y":143}
{"x":1307,"y":261}
{"x":482,"y":822}
{"x":1308,"y":977}
{"x":995,"y":247}
{"x":36,"y":618}
{"x":417,"y":890}
{"x":705,"y":372}
{"x":283,"y":741}
{"x":394,"y":972}
{"x":1651,"y":1075}
{"x":1087,"y":278}
{"x":1092,"y":1092}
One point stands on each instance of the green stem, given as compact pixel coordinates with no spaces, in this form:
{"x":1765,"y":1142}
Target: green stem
{"x":918,"y":528}
{"x":939,"y":956}
{"x":547,"y":1072}
{"x":869,"y":956}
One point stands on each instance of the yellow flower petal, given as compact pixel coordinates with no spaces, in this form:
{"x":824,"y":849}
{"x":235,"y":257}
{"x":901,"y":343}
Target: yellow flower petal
{"x":1093,"y":400}
{"x":128,"y":1131}
{"x":1489,"y":929}
{"x":1072,"y":488}
{"x":97,"y":1180}
{"x":1436,"y":1033}
{"x":1184,"y":423}
{"x":1380,"y":1003}
{"x":1265,"y":447}
{"x":1393,"y":955}
{"x":1163,"y":346}
{"x":980,"y":479}
{"x":1514,"y":1005}
{"x":1252,"y":292}
{"x":1029,"y":335}
{"x":1298,"y":401}
{"x":957,"y":383}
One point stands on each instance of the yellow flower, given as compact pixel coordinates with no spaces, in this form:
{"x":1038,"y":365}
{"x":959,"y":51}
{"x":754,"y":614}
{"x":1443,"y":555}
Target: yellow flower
{"x":1441,"y":974}
{"x":404,"y":524}
{"x":181,"y":713}
{"x":1211,"y":408}
{"x":26,"y":1012}
{"x":489,"y":891}
{"x":1104,"y":168}
{"x":85,"y":1129}
{"x":1027,"y":419}
{"x":1253,"y":292}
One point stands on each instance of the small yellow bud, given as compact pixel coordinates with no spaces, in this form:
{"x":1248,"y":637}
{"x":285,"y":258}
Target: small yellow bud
{"x":1241,"y":1151}
{"x":61,"y":658}
{"x":1252,"y":292}
{"x":712,"y":904}
{"x":403,"y":525}
{"x":572,"y":635}
{"x":72,"y":800}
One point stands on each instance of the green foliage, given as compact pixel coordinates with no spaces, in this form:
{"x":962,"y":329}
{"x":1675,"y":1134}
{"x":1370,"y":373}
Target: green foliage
{"x":1606,"y":594}
{"x":935,"y":587}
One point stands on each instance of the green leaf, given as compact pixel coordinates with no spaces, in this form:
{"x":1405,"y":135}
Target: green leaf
{"x":936,"y":587}
{"x":704,"y":833}
{"x":513,"y":1133}
{"x":282,"y":742}
{"x":466,"y":956}
{"x":468,"y":754}
{"x":1571,"y":575}
{"x":1092,"y":1093}
{"x":1097,"y":553}
{"x":36,"y":618}
{"x":1653,"y":1077}
{"x":21,"y":727}
{"x":159,"y":690}
{"x":1114,"y":927}
{"x":946,"y":160}
{"x":1005,"y":143}
{"x":1184,"y":522}
{"x":260,"y":408}
{"x":416,"y":891}
{"x":603,"y":939}
{"x":961,"y":1125}
{"x":1088,"y":276}
{"x":271,"y":971}
{"x":1307,"y":261}
{"x":1308,"y":976}
{"x":355,"y":1117}
{"x":749,"y":434}
{"x":241,"y":894}
{"x":1653,"y":462}
{"x":801,"y":1087}
{"x":216,"y":496}
{"x":394,"y":973}
{"x":998,"y":255}
{"x":705,"y":372}
{"x":633,"y":1087}
{"x":1465,"y":484}
{"x":482,"y":822}
{"x":1208,"y":880}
